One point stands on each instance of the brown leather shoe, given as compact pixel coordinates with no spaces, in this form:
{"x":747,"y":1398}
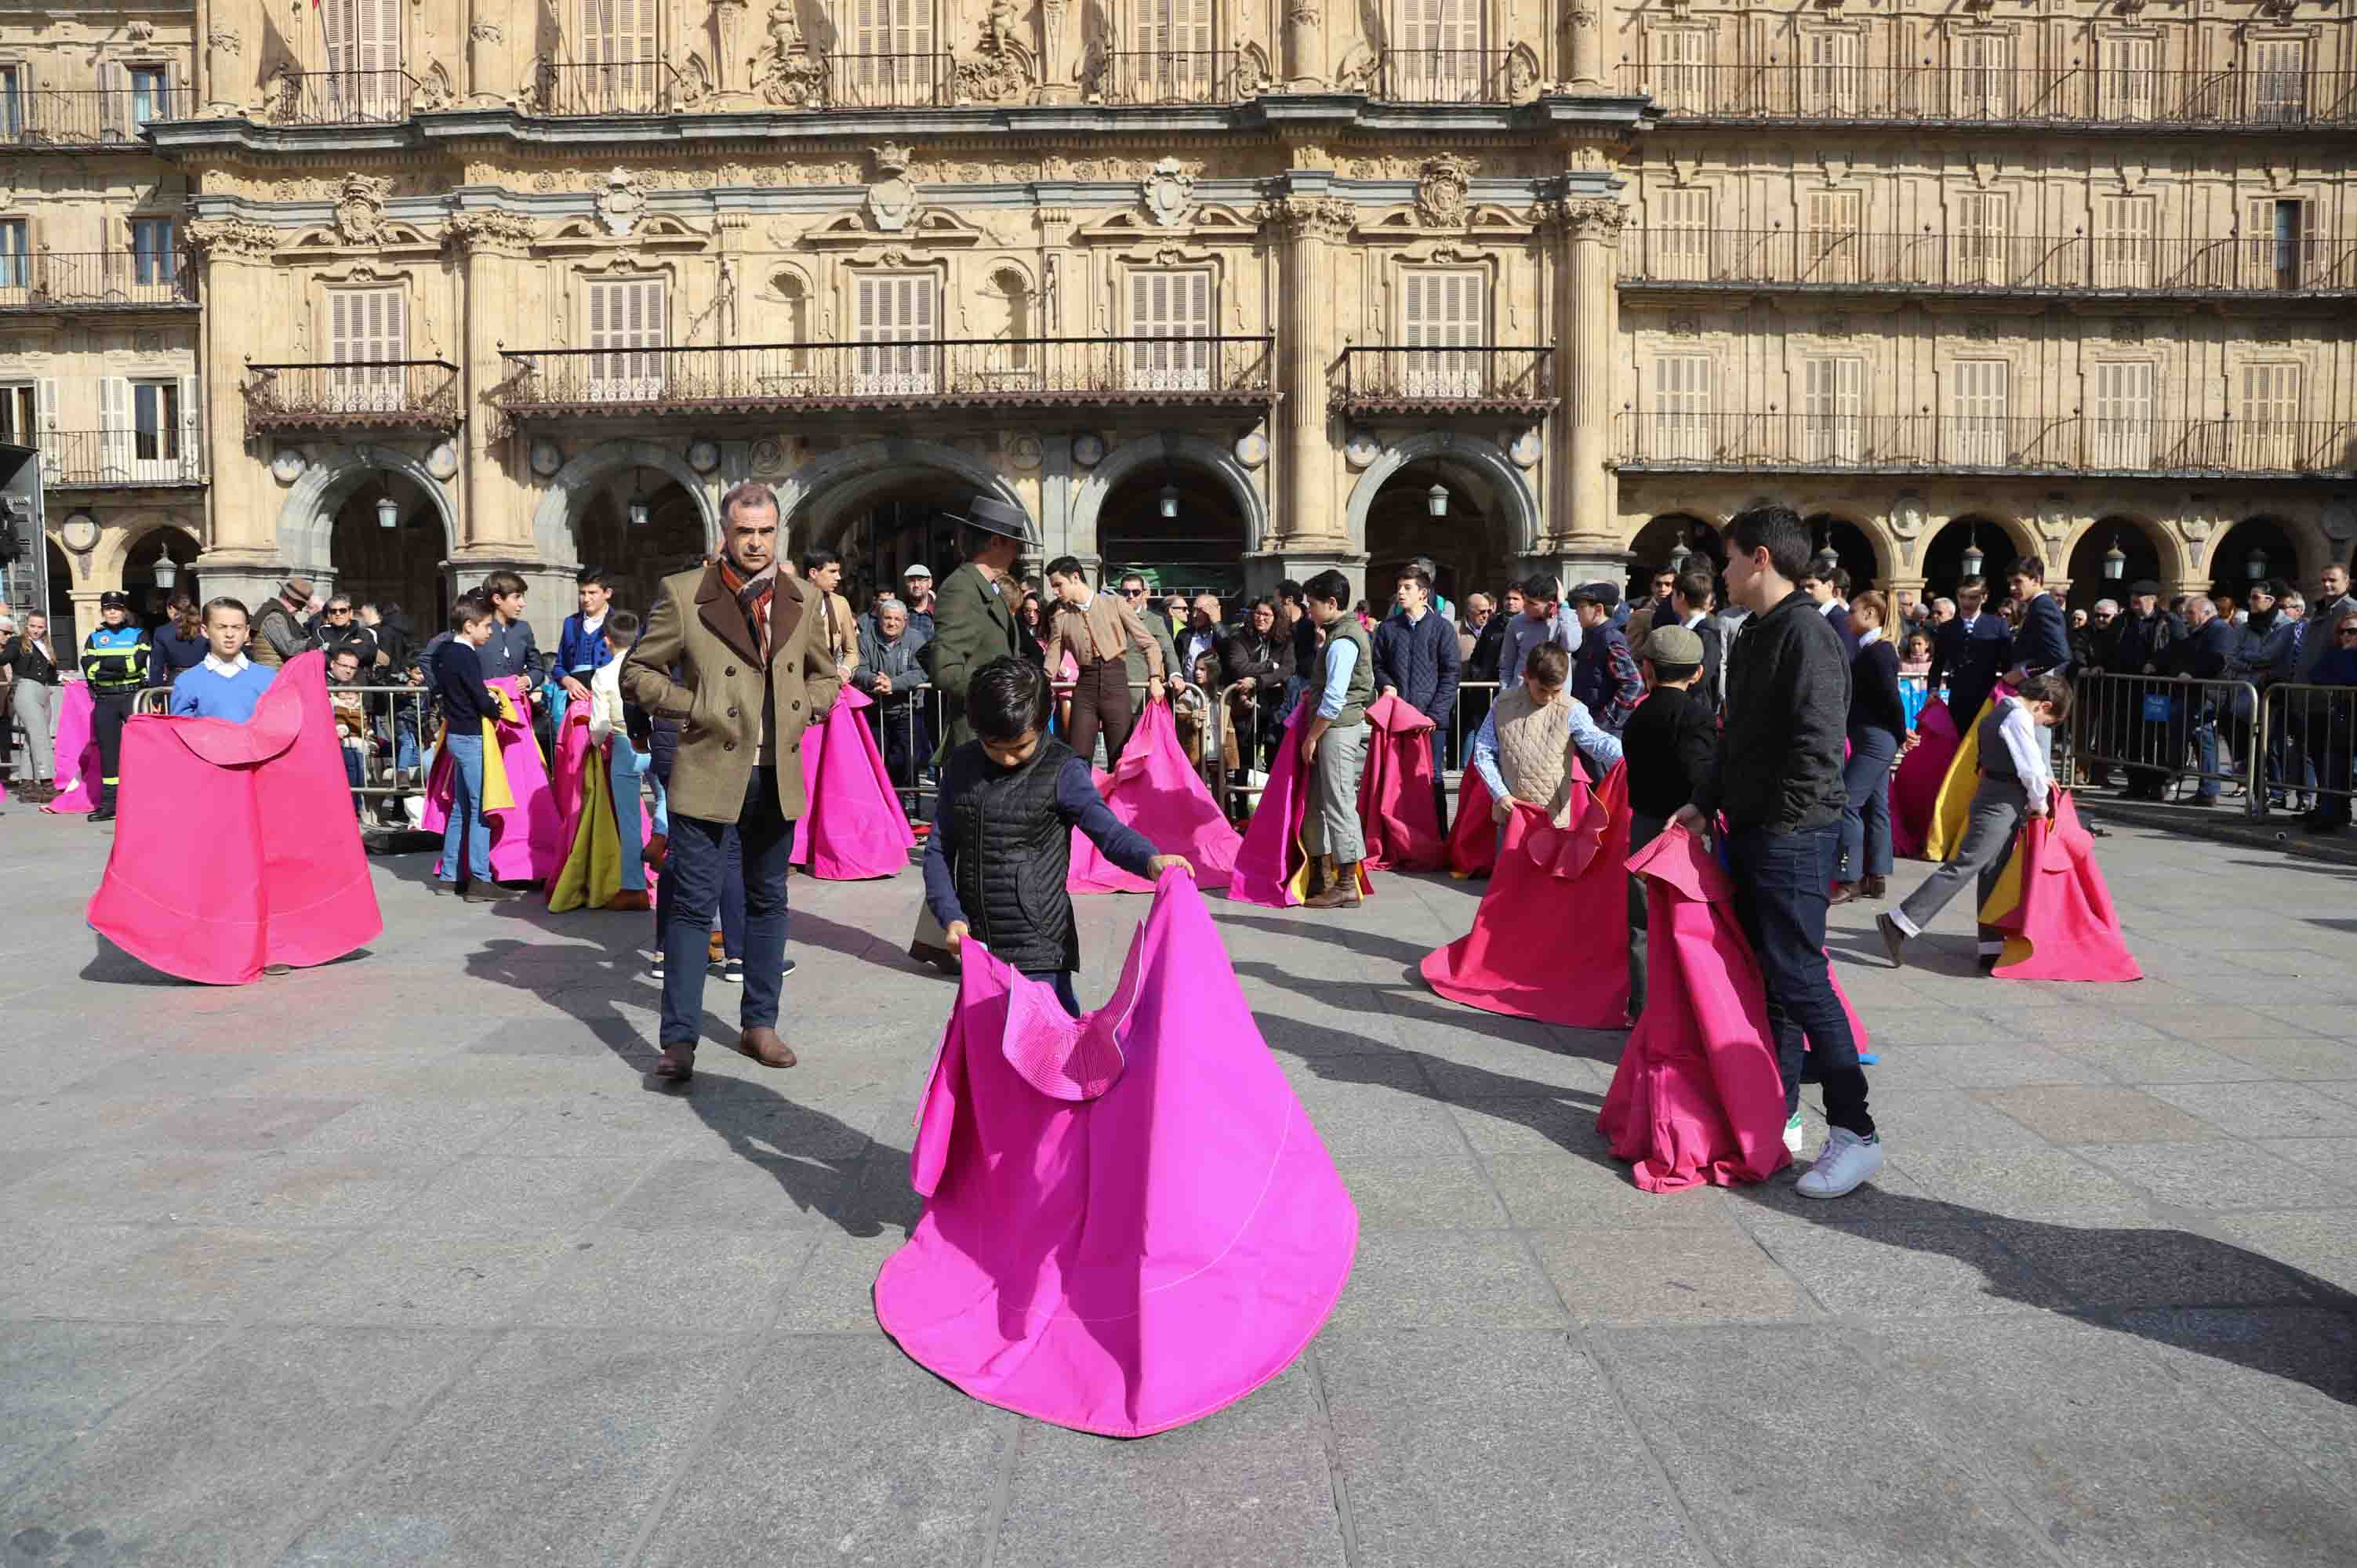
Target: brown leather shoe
{"x":1842,"y":893}
{"x":716,"y":948}
{"x":678,"y":1063}
{"x":1342,"y":889}
{"x":1871,"y":888}
{"x":766,"y":1047}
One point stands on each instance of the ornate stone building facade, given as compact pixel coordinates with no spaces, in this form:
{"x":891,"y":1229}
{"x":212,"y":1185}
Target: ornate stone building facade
{"x":1240,"y":291}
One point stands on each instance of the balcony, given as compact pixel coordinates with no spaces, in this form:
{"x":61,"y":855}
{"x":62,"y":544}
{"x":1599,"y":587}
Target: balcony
{"x":1489,"y":378}
{"x":579,"y":91}
{"x":1926,"y":94}
{"x":74,"y":118}
{"x":388,"y":394}
{"x":1165,"y":76}
{"x":924,"y":80}
{"x":108,"y":459}
{"x":979,"y":373}
{"x":341,"y":97}
{"x":1686,"y":260}
{"x":97,"y":280}
{"x":1444,"y":76}
{"x":1923,"y":443}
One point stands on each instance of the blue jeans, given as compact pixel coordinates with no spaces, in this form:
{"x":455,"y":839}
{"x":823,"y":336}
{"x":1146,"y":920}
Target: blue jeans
{"x":1865,"y":819}
{"x":694,"y":874}
{"x":1061,"y":979}
{"x":1780,"y":887}
{"x":732,"y":897}
{"x":624,"y":768}
{"x":467,"y":830}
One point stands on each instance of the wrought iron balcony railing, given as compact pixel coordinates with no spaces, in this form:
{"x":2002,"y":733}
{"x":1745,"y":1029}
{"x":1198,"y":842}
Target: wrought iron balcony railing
{"x":383,"y":394}
{"x":1847,"y":259}
{"x":1444,"y":76}
{"x":1488,"y":378}
{"x":1663,"y":440}
{"x":922,"y":80}
{"x":97,"y":280}
{"x":939,"y":372}
{"x":342,"y":97}
{"x":103,"y":459}
{"x":624,"y":87}
{"x":1978,"y":95}
{"x":95,"y":117}
{"x":1163,"y":76}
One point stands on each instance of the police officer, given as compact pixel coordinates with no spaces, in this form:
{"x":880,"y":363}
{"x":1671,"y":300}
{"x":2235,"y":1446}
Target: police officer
{"x":114,"y":663}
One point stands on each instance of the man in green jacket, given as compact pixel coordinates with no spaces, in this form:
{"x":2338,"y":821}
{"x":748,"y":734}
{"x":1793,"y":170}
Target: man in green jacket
{"x":974,"y":618}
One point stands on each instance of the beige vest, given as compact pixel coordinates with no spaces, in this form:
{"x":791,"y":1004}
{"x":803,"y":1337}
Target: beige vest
{"x":1535,"y":750}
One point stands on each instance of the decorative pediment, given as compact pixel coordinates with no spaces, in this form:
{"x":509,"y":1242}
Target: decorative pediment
{"x":385,"y":238}
{"x":661,"y":232}
{"x":1131,"y":226}
{"x":1405,"y":225}
{"x":933,"y":228}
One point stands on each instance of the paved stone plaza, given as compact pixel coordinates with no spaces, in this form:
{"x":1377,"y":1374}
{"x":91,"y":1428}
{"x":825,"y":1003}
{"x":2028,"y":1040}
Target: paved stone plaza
{"x":401,"y":1261}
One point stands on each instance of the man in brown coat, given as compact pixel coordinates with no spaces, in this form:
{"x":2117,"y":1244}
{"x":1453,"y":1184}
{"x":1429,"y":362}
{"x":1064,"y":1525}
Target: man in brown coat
{"x":753,"y":670}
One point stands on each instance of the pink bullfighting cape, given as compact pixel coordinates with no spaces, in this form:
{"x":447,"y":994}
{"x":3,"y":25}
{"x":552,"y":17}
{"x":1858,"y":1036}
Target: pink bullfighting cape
{"x":1157,"y":790}
{"x":1551,"y":939}
{"x":852,"y":828}
{"x":1398,"y":808}
{"x":1698,"y":1097}
{"x":1272,"y":867}
{"x":2053,"y":907}
{"x":236,"y":847}
{"x":527,"y":842}
{"x":1472,"y":837}
{"x":77,"y":778}
{"x":1110,"y":1241}
{"x":590,"y":825}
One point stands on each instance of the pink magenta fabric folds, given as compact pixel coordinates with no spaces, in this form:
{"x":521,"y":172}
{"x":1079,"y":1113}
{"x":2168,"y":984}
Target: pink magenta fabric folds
{"x":527,"y":842}
{"x":1698,"y":1097}
{"x":1472,"y":837}
{"x":1551,"y":939}
{"x":1155,"y":791}
{"x":77,"y":778}
{"x":1272,"y":867}
{"x":1130,"y":1222}
{"x":1915,"y":787}
{"x":235,"y":846}
{"x":2062,"y":925}
{"x":1398,"y":807}
{"x":852,"y":827}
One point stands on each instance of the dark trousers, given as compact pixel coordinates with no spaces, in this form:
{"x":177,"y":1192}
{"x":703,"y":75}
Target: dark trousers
{"x":732,"y":900}
{"x":1866,"y":816}
{"x":108,"y":712}
{"x":695,"y":870}
{"x":1100,"y":702}
{"x":1781,"y":883}
{"x":906,"y":742}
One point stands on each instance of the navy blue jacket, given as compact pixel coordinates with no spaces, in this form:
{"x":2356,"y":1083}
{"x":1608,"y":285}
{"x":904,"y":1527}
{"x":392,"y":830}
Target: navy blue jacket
{"x":1605,"y":677}
{"x":2203,"y":654}
{"x":2043,"y":643}
{"x":1421,"y":659}
{"x":1970,"y":660}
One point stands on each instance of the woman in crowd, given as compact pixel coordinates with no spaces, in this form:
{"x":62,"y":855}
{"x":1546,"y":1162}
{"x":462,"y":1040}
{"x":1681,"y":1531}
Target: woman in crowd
{"x":1877,"y":717}
{"x":179,"y":642}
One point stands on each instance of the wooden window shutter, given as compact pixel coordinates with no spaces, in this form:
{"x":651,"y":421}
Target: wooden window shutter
{"x":115,"y":427}
{"x":46,"y":435}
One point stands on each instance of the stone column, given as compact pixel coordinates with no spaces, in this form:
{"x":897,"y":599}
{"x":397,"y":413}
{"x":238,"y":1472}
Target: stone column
{"x":1305,"y":46}
{"x":222,"y":84}
{"x":242,"y":531}
{"x":1583,"y":523}
{"x":485,"y":35}
{"x":1306,"y":521}
{"x":730,"y":63}
{"x":494,"y":503}
{"x":1584,"y":28}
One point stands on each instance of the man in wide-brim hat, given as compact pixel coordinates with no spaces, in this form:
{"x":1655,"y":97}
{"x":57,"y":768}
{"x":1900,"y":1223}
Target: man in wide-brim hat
{"x":974,"y":610}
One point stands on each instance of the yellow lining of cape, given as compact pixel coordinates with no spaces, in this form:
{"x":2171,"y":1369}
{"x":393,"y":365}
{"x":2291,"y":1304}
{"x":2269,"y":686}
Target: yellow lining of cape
{"x":592,"y":872}
{"x":1951,"y":808}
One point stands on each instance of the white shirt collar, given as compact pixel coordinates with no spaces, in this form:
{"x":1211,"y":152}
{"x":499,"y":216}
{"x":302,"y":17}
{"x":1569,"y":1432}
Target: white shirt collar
{"x":227,"y":667}
{"x":1695,"y":619}
{"x":1871,"y":634}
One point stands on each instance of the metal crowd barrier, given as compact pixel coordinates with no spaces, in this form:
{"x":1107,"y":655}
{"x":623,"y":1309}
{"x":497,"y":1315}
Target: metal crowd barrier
{"x":391,"y":749}
{"x":2312,"y":732}
{"x":2174,"y":729}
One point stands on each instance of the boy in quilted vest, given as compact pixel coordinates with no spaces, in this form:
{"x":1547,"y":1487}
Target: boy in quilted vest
{"x":1002,"y":840}
{"x":1524,"y":748}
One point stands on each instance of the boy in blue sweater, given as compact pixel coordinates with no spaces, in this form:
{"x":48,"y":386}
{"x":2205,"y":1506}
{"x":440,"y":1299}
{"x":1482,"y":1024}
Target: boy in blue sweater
{"x":227,"y":684}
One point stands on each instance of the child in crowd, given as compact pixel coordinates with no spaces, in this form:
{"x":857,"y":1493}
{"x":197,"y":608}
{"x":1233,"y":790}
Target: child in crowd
{"x":626,"y":766}
{"x":1001,"y":846}
{"x":2014,"y":785}
{"x":1667,"y":745}
{"x":226,"y":685}
{"x":469,"y":704}
{"x":351,"y":712}
{"x":1524,"y":749}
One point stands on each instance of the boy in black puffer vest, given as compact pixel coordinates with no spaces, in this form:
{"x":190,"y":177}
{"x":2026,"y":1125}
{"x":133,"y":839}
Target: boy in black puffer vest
{"x":1002,"y":839}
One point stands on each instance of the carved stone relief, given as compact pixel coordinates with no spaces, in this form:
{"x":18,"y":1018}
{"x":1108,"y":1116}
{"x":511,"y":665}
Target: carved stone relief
{"x":892,"y":195}
{"x":1444,"y":189}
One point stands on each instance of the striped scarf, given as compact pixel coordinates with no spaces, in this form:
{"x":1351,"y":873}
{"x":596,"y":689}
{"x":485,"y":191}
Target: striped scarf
{"x":752,"y":598}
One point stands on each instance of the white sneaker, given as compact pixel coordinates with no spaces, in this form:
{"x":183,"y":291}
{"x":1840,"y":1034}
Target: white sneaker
{"x":1846,"y":1162}
{"x":1792,"y":1135}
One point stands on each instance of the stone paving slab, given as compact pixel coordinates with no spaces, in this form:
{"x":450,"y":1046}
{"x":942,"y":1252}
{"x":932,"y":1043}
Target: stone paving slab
{"x":405,"y":1260}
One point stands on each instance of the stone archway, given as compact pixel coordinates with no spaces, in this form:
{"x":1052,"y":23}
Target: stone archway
{"x":116,"y":545}
{"x":1172,"y":450}
{"x":817,"y":501}
{"x":1510,"y":498}
{"x":553,"y":532}
{"x":307,"y":518}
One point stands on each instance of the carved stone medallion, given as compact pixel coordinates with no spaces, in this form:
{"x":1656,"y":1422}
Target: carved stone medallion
{"x":1169,"y":193}
{"x":1444,"y":192}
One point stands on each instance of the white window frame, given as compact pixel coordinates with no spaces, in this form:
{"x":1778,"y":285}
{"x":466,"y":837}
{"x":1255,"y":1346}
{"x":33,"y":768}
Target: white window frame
{"x":1984,"y":76}
{"x":367,"y":327}
{"x":362,"y":39}
{"x":1832,"y":408}
{"x":1983,"y":238}
{"x":1983,"y":401}
{"x":2267,"y":414}
{"x":2123,"y":241}
{"x":2128,"y":83}
{"x":629,"y":363}
{"x":1443,"y":308}
{"x":895,"y":322}
{"x":1681,"y":413}
{"x":1830,"y":249}
{"x":1173,"y":49}
{"x":2278,"y":76}
{"x":1678,"y":244}
{"x":2122,"y":395}
{"x":891,"y":43}
{"x":1681,"y":73}
{"x":1170,"y":348}
{"x":1439,"y":49}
